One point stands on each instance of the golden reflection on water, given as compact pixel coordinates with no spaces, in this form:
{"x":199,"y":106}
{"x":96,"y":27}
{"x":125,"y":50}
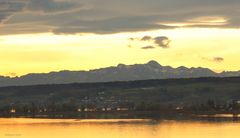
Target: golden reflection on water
{"x":71,"y":128}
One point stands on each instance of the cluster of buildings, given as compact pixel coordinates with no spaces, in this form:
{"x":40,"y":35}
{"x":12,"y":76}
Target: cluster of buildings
{"x":102,"y":103}
{"x":99,"y":103}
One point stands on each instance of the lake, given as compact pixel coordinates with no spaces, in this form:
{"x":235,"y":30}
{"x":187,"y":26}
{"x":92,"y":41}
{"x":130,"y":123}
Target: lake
{"x":115,"y":128}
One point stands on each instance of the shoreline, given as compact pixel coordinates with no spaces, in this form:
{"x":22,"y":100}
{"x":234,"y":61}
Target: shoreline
{"x":150,"y":115}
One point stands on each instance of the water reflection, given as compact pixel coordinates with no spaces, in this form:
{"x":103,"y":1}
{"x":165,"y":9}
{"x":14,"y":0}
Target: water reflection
{"x":47,"y":128}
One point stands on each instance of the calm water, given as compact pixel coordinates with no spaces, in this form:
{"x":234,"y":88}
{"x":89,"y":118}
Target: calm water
{"x":47,"y":128}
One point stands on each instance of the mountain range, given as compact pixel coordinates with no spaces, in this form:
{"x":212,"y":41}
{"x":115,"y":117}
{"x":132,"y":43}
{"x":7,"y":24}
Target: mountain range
{"x":150,"y":70}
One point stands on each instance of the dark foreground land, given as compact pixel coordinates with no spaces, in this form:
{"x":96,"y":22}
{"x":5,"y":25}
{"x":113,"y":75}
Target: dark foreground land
{"x":171,"y":98}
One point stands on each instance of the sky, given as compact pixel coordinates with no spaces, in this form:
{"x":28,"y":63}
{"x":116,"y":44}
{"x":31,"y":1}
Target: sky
{"x":38,"y":36}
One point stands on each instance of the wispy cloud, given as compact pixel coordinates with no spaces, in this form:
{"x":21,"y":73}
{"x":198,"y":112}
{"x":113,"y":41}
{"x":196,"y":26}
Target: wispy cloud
{"x":214,"y":59}
{"x":218,"y":59}
{"x":147,"y":47}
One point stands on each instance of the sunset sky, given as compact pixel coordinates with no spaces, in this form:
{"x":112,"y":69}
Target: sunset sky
{"x":50,"y":35}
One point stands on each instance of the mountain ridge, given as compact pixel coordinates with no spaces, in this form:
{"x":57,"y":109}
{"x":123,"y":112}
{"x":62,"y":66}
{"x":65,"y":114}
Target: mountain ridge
{"x":121,"y":72}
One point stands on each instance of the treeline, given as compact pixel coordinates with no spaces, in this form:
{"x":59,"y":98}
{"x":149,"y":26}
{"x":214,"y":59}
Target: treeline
{"x":209,"y":107}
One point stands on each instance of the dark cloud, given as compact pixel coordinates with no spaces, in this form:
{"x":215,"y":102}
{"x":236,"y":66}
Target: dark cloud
{"x":159,"y":41}
{"x":10,"y":7}
{"x":146,"y":38}
{"x":148,"y":47}
{"x":218,"y":59}
{"x":162,"y":41}
{"x":111,"y":16}
{"x":51,"y":6}
{"x":108,"y":26}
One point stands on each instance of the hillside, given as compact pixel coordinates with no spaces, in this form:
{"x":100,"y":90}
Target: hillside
{"x":165,"y":92}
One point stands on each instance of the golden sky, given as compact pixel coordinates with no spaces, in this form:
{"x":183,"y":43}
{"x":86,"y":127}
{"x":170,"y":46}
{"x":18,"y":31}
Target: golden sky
{"x":53,"y":35}
{"x":47,"y":52}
